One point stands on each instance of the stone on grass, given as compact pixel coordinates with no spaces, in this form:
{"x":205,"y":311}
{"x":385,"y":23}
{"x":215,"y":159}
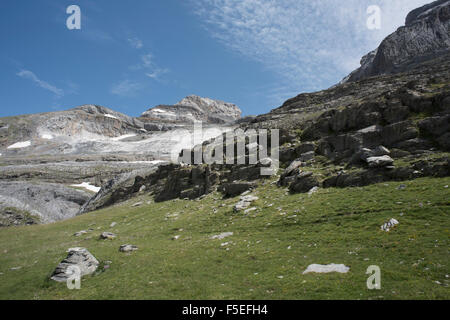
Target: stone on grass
{"x":245,"y":202}
{"x":313,"y":190}
{"x":389,"y":225}
{"x":127,"y":248}
{"x":79,"y":258}
{"x":80,"y":233}
{"x":320,"y":268}
{"x":222,"y":235}
{"x":113,"y":224}
{"x":137,"y":204}
{"x":107,"y":236}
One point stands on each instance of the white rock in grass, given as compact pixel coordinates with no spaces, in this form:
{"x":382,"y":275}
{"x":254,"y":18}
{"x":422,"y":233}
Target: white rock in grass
{"x":320,"y":268}
{"x":389,"y":225}
{"x":312,"y":191}
{"x":127,"y":248}
{"x":222,"y":235}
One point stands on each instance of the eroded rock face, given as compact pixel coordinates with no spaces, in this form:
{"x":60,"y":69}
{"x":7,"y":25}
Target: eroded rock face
{"x":425,"y":35}
{"x":41,"y":202}
{"x":79,"y":260}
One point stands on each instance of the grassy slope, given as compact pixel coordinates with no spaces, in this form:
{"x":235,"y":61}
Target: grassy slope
{"x":332,"y":226}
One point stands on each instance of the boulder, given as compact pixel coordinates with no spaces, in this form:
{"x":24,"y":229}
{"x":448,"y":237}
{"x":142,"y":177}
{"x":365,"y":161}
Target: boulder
{"x":304,"y":182}
{"x":128,"y":248}
{"x":236,"y":188}
{"x":378,"y":162}
{"x":79,"y":258}
{"x":107,"y":236}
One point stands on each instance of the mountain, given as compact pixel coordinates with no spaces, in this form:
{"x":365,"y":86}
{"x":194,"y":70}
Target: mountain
{"x":425,"y":36}
{"x":76,"y":151}
{"x":190,"y":109}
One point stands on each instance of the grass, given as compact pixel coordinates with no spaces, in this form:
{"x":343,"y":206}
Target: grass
{"x":265,"y":257}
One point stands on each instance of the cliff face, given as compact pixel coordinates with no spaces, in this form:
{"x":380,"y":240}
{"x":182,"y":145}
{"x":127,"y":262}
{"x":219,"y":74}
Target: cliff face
{"x":425,"y":36}
{"x":194,"y":108}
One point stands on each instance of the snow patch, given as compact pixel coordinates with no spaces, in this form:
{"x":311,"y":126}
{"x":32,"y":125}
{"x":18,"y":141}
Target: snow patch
{"x":320,"y":268}
{"x":123,"y":137}
{"x":47,"y":136}
{"x":87,"y":186}
{"x":20,"y":145}
{"x":110,"y":116}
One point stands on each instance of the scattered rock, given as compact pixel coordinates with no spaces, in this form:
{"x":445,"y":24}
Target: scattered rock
{"x":401,"y":187}
{"x":319,"y":268}
{"x":250,"y":210}
{"x":245,"y":202}
{"x":138,"y":204}
{"x":80,"y":233}
{"x":112,"y":225}
{"x":128,"y":248}
{"x":222,"y":235}
{"x":77,"y":257}
{"x":389,"y":225}
{"x":107,"y":236}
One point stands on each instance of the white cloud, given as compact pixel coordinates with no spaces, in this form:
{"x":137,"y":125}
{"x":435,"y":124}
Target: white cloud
{"x":136,"y":43}
{"x":309,"y":44}
{"x":27,"y":74}
{"x":152,"y":70}
{"x":126,"y":88}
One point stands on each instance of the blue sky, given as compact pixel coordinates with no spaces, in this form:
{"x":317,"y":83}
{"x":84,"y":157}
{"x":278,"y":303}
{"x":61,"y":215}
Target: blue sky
{"x":133,"y":55}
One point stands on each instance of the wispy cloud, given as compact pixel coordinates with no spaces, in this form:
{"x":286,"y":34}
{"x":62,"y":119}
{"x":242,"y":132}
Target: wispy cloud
{"x":309,"y":44}
{"x":152,"y":70}
{"x":27,"y":74}
{"x":136,"y":43}
{"x":126,"y":88}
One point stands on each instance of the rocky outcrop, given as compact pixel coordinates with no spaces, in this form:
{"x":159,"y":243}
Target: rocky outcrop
{"x":190,"y":109}
{"x":426,"y":34}
{"x":32,"y":202}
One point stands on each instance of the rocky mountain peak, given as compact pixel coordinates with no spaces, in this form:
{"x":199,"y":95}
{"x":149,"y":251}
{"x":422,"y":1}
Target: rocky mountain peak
{"x":425,"y":36}
{"x":194,"y":108}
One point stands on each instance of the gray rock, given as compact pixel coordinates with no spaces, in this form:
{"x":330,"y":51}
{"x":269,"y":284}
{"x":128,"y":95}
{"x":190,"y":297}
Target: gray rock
{"x":77,"y":257}
{"x":424,"y":36}
{"x":304,"y":182}
{"x":244,"y":203}
{"x":221,"y":236}
{"x":46,"y":202}
{"x":128,"y":248}
{"x":107,"y":236}
{"x":236,"y":188}
{"x":80,"y":233}
{"x":377,"y":162}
